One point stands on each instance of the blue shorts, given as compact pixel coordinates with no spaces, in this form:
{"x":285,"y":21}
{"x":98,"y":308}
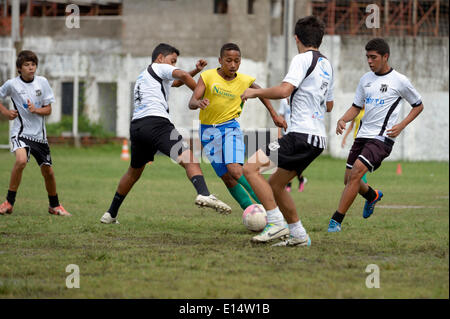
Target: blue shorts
{"x":223,"y":144}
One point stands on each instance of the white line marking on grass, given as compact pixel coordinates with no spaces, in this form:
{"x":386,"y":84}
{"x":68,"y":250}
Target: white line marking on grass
{"x":405,"y":206}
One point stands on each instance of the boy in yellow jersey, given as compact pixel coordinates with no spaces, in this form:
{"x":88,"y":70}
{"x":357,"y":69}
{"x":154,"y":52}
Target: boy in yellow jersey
{"x":217,"y":95}
{"x":355,"y":123}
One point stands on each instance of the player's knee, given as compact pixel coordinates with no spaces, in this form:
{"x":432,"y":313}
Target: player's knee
{"x":249,"y":169}
{"x":20,"y":163}
{"x":47,"y":171}
{"x":236,"y":173}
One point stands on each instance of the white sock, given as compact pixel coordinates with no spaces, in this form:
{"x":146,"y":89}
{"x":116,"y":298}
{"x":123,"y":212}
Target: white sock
{"x":297,"y":230}
{"x":274,"y":216}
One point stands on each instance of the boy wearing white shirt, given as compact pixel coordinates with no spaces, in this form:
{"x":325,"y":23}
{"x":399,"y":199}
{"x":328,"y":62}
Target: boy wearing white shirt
{"x":32,"y":97}
{"x":379,"y":92}
{"x":151,"y":130}
{"x":309,"y":83}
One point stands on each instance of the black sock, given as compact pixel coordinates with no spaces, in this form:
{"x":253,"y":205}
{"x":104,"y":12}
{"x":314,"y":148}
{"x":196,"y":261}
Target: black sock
{"x":116,"y":202}
{"x":289,"y":184}
{"x":370,"y":195}
{"x":338,"y":217}
{"x":200,"y":185}
{"x":53,"y":200}
{"x":11,"y":197}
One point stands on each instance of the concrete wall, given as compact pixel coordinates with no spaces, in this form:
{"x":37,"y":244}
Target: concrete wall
{"x":424,"y":60}
{"x":193,"y":27}
{"x":117,"y":49}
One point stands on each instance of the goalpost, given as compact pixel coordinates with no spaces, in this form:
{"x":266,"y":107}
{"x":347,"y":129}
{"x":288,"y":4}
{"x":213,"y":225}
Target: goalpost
{"x":8,"y":71}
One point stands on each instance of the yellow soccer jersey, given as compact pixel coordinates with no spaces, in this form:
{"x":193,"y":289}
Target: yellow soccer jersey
{"x":358,"y":122}
{"x":224,"y":96}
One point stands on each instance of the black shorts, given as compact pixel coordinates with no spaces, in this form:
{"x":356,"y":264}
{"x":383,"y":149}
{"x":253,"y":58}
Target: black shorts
{"x":292,"y":152}
{"x":370,"y":151}
{"x":151,"y":134}
{"x":40,"y":151}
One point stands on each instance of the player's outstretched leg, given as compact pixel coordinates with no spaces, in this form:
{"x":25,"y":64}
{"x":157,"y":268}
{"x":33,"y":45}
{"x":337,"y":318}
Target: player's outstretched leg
{"x":276,"y":225}
{"x":126,"y":183}
{"x":297,"y":233}
{"x":194,"y":173}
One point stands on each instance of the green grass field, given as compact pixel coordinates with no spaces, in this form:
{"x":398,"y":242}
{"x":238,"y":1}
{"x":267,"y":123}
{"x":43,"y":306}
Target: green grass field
{"x":166,"y":247}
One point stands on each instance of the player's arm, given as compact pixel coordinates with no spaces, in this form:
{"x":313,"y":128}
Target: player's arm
{"x":197,"y":101}
{"x":44,"y":111}
{"x":330,"y":105}
{"x":347,"y":132}
{"x":351,"y":113}
{"x":278,"y":92}
{"x":9,"y":114}
{"x":184,"y":77}
{"x":395,"y":130}
{"x":278,"y":120}
{"x":198,"y":68}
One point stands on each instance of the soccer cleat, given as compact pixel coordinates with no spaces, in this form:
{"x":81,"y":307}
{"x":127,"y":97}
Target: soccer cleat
{"x":58,"y":210}
{"x":334,"y":226}
{"x":6,"y":208}
{"x":369,"y":207}
{"x":108,"y":219}
{"x":212,"y":201}
{"x":288,"y":189}
{"x":294,"y":241}
{"x":271,"y":232}
{"x":301,"y":186}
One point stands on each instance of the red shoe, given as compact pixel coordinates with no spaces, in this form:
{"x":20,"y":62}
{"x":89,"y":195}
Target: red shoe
{"x":288,"y":189}
{"x":6,"y":208}
{"x":59,"y":210}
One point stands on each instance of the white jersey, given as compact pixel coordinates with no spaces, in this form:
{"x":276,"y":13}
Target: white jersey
{"x":381,"y":96}
{"x":285,"y":111}
{"x":312,"y":76}
{"x":151,"y":93}
{"x":27,"y":124}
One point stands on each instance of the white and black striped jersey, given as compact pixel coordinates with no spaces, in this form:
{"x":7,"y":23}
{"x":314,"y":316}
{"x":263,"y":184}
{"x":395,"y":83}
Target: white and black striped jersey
{"x":312,"y":76}
{"x":39,"y":92}
{"x":381,"y":96}
{"x":151,"y":91}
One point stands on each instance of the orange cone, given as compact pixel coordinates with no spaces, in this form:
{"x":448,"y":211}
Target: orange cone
{"x":399,"y":169}
{"x":125,"y":156}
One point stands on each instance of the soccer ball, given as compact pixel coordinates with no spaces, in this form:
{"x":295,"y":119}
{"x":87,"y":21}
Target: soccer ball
{"x":255,"y":217}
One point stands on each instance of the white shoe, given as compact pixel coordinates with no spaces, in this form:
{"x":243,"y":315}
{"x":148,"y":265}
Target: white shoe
{"x":212,"y":202}
{"x":107,"y":219}
{"x":294,"y":241}
{"x":271,"y":232}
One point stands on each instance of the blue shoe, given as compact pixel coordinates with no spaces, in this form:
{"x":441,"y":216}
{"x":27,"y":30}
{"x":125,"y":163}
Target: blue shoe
{"x":369,"y":207}
{"x":334,"y":226}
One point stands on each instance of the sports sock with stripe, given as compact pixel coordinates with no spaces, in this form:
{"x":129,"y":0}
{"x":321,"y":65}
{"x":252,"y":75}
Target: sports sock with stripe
{"x":240,"y":195}
{"x":200,"y":185}
{"x":115,"y":204}
{"x":243,"y":181}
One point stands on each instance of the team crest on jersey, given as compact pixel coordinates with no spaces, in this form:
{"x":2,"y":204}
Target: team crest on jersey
{"x":38,"y":92}
{"x":274,"y":146}
{"x":138,"y":95}
{"x":368,"y":85}
{"x":383,"y":88}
